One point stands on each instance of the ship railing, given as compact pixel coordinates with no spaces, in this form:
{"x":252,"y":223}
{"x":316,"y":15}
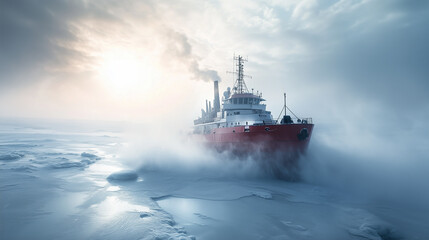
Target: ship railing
{"x":299,"y":121}
{"x":306,"y":120}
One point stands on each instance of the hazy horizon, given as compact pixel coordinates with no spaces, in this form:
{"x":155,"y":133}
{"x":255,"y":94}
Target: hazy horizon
{"x":90,"y":87}
{"x":358,"y":68}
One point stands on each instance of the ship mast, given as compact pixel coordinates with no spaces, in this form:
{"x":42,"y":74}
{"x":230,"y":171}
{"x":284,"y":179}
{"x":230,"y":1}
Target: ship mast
{"x":240,"y":86}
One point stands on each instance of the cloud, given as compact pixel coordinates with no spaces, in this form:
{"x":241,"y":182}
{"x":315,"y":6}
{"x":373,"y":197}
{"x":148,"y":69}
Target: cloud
{"x":181,"y":50}
{"x":41,"y":43}
{"x":52,"y":53}
{"x":374,"y":60}
{"x":57,"y":39}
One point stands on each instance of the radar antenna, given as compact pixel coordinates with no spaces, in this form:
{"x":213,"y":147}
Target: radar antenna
{"x":239,"y":85}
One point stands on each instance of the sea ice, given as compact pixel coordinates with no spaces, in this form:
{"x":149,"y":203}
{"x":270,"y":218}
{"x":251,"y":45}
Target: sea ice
{"x":67,"y":165}
{"x":11,"y":156}
{"x":125,"y":175}
{"x":207,"y":201}
{"x":374,"y":232}
{"x":89,"y":155}
{"x":265,"y":195}
{"x":294,"y":226}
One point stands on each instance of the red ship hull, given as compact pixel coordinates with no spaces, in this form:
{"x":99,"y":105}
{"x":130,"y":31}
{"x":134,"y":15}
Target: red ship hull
{"x":285,"y":140}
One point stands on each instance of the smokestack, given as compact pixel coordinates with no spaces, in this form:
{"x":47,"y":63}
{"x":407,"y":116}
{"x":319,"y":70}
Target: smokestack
{"x":210,"y":106}
{"x":216,"y":102}
{"x":207,"y":107}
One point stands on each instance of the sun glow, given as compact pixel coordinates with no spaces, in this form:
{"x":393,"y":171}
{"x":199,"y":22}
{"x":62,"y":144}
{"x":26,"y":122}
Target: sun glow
{"x":125,"y":73}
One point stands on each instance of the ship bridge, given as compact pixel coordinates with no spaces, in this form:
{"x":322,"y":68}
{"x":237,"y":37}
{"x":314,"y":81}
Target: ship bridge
{"x":244,"y":107}
{"x":245,"y":101}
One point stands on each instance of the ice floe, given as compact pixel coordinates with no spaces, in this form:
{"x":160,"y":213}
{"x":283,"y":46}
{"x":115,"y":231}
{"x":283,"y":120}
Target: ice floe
{"x":11,"y":156}
{"x":294,"y":226}
{"x":125,"y":175}
{"x":374,"y":232}
{"x":67,"y":165}
{"x":89,"y":155}
{"x":265,"y":195}
{"x":93,"y":199}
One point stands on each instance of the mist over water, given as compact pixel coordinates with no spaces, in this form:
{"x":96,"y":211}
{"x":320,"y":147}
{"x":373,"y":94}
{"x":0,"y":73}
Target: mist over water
{"x":395,"y":177}
{"x":359,"y":68}
{"x":371,"y":171}
{"x":396,"y":180}
{"x":178,"y":152}
{"x":159,"y":183}
{"x":399,"y":185}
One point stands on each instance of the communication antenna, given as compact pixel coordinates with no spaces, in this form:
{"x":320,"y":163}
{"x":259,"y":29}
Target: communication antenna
{"x":239,"y":85}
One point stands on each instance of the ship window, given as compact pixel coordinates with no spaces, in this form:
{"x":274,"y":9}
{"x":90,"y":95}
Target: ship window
{"x":246,"y":100}
{"x":235,"y":100}
{"x":240,"y":101}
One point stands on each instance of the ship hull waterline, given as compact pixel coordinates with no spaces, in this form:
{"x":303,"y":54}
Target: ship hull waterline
{"x":280,"y":141}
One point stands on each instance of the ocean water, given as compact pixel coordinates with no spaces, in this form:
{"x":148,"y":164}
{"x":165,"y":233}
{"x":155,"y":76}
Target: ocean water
{"x":86,"y":180}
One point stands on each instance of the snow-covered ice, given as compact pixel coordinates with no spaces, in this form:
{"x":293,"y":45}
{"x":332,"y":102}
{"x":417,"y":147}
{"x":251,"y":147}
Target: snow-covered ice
{"x":123,"y":176}
{"x":58,"y":183}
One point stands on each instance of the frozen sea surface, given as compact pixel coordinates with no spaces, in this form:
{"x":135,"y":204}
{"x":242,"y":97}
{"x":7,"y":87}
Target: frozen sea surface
{"x":65,"y":181}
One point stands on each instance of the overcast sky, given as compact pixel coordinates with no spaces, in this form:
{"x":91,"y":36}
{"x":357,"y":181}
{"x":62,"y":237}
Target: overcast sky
{"x":362,"y":64}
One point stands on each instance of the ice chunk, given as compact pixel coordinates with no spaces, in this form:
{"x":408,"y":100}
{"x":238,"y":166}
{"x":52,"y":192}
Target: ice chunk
{"x":265,"y":195}
{"x":67,"y":165}
{"x":89,"y":155}
{"x":29,"y":168}
{"x":373,"y":232}
{"x":202,"y":216}
{"x":123,"y":176}
{"x":168,"y":221}
{"x":11,"y":156}
{"x":294,"y":226}
{"x":87,"y":161}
